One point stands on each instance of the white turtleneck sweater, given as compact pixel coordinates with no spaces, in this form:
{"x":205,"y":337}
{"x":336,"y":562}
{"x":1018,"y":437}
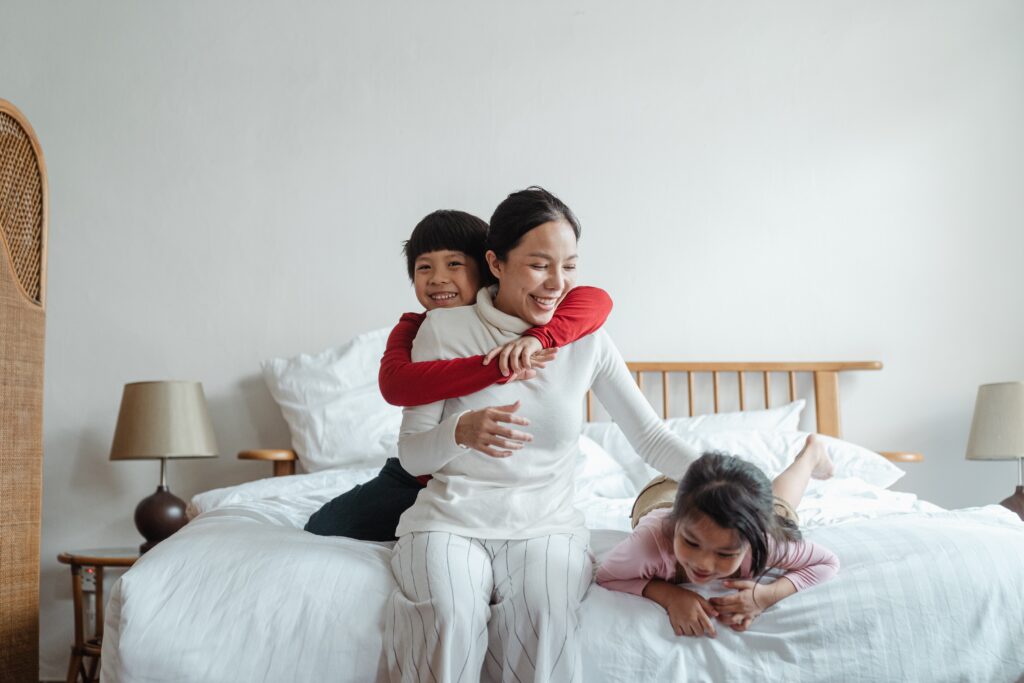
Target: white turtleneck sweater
{"x":530,"y":493}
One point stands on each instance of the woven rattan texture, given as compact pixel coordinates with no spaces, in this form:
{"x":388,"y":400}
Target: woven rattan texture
{"x":22,"y":326}
{"x":21,"y":459}
{"x":21,"y":204}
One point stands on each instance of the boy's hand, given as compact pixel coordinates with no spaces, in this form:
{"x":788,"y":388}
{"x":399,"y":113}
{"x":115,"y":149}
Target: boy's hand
{"x":484,"y":430}
{"x":539,"y":360}
{"x":690,"y":614}
{"x":519,"y":356}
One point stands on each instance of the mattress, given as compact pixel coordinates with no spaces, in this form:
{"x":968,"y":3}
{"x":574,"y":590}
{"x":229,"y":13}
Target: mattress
{"x":242,"y":593}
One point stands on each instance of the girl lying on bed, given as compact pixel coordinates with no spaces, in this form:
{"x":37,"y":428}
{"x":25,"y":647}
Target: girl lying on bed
{"x":728,"y":523}
{"x":445,"y":259}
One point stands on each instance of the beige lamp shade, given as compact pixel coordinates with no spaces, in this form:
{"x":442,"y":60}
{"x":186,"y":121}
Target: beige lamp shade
{"x":997,"y":431}
{"x":165,"y":419}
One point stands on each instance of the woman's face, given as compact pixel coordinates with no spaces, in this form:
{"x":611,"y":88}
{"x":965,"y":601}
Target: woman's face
{"x":537,"y":274}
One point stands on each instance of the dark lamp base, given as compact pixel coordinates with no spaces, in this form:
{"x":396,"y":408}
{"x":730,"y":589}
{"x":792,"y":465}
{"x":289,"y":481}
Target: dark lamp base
{"x":1015,"y":502}
{"x":158,"y":516}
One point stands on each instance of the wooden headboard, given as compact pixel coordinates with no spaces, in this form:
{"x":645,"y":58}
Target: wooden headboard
{"x":23,"y":225}
{"x":823,"y":390}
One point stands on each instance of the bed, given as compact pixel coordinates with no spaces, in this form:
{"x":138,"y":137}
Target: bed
{"x":924,"y":594}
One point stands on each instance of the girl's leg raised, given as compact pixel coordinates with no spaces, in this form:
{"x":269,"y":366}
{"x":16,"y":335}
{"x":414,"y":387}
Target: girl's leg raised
{"x":811,"y":461}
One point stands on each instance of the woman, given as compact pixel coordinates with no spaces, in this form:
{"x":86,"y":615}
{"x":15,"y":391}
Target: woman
{"x":492,"y":560}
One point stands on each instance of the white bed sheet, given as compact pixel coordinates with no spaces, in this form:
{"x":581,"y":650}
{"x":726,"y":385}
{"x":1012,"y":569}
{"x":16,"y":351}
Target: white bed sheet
{"x":243,"y":594}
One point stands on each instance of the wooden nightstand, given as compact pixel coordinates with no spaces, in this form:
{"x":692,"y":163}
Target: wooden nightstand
{"x":85,"y":653}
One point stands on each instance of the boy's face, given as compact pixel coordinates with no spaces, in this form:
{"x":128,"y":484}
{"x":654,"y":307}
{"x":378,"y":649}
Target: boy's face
{"x":445,"y":279}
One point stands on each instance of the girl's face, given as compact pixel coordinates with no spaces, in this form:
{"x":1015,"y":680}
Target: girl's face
{"x":537,"y":274}
{"x":445,"y":279}
{"x":706,"y":551}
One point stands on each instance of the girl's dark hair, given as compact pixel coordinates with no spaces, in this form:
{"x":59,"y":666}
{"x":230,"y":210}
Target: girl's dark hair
{"x":447,"y":230}
{"x":523,"y":211}
{"x":733,"y":494}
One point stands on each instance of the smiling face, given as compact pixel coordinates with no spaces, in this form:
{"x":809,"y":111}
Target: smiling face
{"x":706,"y":551}
{"x":536,"y":274}
{"x":445,"y":279}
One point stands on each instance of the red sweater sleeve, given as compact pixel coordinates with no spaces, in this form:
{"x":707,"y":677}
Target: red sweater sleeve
{"x":404,"y":383}
{"x":583,"y":311}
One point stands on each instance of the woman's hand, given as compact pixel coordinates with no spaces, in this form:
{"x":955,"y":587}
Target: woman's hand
{"x":521,"y":358}
{"x":738,"y":610}
{"x":484,"y":430}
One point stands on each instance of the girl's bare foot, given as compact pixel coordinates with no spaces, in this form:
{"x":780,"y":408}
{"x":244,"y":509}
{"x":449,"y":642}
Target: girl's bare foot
{"x":816,"y":451}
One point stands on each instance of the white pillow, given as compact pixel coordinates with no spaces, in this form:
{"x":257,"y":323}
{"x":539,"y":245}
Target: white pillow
{"x":608,"y":436}
{"x":773,"y":451}
{"x":333,"y":406}
{"x":598,"y":475}
{"x":785,"y":417}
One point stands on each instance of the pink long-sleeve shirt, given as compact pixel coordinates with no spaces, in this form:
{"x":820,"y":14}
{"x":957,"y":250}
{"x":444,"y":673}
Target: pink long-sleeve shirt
{"x":647,"y":554}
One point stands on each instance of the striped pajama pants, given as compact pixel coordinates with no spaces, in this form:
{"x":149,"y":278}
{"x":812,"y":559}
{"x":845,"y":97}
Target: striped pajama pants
{"x":469,"y":609}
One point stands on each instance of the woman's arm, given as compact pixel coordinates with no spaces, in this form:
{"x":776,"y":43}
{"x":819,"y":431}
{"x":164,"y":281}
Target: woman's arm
{"x":404,"y":383}
{"x":425,"y":442}
{"x":645,"y":431}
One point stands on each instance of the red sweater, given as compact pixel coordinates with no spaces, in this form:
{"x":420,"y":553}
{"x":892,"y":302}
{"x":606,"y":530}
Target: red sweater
{"x":404,"y":383}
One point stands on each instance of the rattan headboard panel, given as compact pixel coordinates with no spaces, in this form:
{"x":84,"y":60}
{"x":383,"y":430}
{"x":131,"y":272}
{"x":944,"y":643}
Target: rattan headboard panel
{"x":23,"y":226}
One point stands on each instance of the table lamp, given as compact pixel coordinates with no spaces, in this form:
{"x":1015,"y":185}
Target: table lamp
{"x":161,"y":420}
{"x":997,"y":432}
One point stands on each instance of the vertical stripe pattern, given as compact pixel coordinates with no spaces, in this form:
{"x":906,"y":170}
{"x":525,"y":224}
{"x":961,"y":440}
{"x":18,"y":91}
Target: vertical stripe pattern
{"x":469,"y":609}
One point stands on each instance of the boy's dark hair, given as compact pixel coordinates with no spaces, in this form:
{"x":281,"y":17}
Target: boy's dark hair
{"x":523,"y":211}
{"x":450,"y":230}
{"x":733,"y":494}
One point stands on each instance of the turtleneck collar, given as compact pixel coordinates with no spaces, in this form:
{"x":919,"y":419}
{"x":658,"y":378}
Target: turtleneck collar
{"x":507,"y":324}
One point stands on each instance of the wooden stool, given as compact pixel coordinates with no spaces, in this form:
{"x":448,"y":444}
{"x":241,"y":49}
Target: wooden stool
{"x":85,"y":653}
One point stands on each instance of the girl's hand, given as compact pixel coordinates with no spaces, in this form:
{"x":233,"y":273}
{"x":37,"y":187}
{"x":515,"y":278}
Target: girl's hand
{"x":521,"y":356}
{"x":738,"y":610}
{"x":690,"y":614}
{"x":484,"y":430}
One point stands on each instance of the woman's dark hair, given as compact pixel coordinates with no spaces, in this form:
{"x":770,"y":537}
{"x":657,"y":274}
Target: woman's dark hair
{"x":447,"y":230}
{"x":523,"y":211}
{"x":733,"y":494}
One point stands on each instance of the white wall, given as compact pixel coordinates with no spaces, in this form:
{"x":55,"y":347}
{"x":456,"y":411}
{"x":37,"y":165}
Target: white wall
{"x":788,"y":180}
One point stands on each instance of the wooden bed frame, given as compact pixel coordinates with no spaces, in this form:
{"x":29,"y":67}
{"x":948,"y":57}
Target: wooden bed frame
{"x":824,"y":389}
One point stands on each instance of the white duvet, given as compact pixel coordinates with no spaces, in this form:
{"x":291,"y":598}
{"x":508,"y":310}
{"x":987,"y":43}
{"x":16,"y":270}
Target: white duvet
{"x":243,"y":594}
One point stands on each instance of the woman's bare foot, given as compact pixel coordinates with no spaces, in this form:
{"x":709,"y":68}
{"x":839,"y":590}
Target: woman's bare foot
{"x":816,"y":451}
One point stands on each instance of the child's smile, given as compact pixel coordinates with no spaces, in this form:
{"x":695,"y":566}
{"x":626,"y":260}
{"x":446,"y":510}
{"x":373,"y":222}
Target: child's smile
{"x":706,"y":551}
{"x":445,"y":279}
